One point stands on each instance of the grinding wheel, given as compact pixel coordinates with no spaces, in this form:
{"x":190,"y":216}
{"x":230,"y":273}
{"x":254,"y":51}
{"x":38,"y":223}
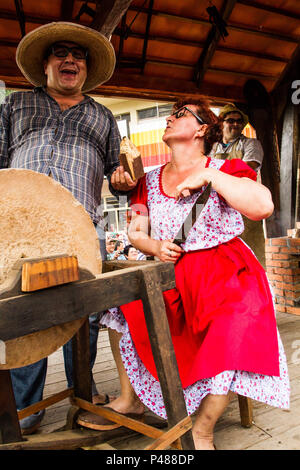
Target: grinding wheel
{"x":40,"y":218}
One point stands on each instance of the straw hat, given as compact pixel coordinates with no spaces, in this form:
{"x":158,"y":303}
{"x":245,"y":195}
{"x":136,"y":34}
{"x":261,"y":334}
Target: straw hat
{"x":32,"y":48}
{"x":231,"y":108}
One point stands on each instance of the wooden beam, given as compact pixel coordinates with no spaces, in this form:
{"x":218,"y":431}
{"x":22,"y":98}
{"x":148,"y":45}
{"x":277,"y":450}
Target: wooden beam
{"x":139,"y":86}
{"x":137,"y":62}
{"x":211,"y":43}
{"x":182,"y":42}
{"x":66,"y":10}
{"x":165,"y":88}
{"x":35,"y":19}
{"x":108,"y":15}
{"x":290,"y":72}
{"x":200,"y":45}
{"x":230,"y":26}
{"x":122,"y":32}
{"x":73,"y":301}
{"x":146,"y":39}
{"x":270,"y":9}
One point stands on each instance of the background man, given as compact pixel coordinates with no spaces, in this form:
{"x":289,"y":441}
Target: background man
{"x":58,"y":130}
{"x":131,"y":253}
{"x":236,"y":145}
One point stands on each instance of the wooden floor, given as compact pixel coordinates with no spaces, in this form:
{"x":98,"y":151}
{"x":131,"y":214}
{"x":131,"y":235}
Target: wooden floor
{"x":272,"y":429}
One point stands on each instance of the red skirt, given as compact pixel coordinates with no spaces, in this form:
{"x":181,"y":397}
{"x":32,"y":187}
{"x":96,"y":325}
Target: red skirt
{"x":221,"y":315}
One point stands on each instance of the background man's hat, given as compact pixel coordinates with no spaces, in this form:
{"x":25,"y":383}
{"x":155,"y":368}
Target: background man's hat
{"x":32,"y":48}
{"x":231,"y":108}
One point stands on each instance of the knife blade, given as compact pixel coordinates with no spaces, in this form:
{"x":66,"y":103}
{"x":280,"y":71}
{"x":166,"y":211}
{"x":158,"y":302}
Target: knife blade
{"x":201,"y":200}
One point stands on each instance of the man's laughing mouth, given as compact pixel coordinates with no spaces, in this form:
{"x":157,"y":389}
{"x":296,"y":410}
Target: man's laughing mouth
{"x":68,"y":72}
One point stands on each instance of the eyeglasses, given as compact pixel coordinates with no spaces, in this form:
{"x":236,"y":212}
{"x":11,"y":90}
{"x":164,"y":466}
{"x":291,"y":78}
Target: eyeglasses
{"x":79,"y":53}
{"x":181,"y":112}
{"x":232,"y":121}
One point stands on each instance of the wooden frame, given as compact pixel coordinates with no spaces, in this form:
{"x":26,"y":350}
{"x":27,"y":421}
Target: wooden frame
{"x":145,"y":280}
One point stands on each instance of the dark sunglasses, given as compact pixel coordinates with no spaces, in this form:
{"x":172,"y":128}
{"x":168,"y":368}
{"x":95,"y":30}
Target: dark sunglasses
{"x":181,"y":112}
{"x":77,"y":52}
{"x":232,"y":121}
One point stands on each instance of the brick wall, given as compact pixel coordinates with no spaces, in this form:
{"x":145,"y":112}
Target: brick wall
{"x":283,"y":270}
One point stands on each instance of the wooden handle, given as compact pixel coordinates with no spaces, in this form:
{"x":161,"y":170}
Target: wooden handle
{"x":49,"y":272}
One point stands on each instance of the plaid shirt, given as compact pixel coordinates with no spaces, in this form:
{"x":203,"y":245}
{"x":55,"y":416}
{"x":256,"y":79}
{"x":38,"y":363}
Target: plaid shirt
{"x":77,"y":146}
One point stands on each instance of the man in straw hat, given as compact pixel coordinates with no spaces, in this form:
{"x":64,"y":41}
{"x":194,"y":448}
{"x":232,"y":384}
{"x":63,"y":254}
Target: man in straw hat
{"x":236,"y":145}
{"x":58,"y":130}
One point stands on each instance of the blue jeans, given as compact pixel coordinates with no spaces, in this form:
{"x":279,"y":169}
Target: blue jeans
{"x":28,"y":382}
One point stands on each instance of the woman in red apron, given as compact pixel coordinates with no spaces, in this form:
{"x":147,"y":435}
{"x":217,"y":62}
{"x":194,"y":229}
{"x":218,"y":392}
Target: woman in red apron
{"x":221,"y":313}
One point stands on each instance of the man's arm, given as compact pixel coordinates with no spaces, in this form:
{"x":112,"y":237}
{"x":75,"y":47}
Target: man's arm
{"x":253,"y":153}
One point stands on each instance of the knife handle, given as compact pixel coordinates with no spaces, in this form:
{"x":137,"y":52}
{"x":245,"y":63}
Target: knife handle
{"x":178,"y":242}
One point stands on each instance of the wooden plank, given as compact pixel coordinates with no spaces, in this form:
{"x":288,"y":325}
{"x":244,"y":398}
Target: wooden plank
{"x":123,"y":420}
{"x":170,"y":436}
{"x":21,"y":315}
{"x":163,"y":352}
{"x":41,"y":405}
{"x":48,"y":273}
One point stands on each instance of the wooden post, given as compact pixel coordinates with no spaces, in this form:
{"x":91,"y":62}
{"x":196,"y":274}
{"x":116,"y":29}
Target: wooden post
{"x":163,"y":352}
{"x":9,"y":423}
{"x":261,"y":116}
{"x":82,"y":378}
{"x":246,"y":412}
{"x":288,"y":168}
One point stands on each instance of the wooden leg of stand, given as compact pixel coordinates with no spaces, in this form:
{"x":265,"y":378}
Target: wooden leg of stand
{"x":246,"y":413}
{"x":9,"y":423}
{"x":82,"y":377}
{"x":163,"y":352}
